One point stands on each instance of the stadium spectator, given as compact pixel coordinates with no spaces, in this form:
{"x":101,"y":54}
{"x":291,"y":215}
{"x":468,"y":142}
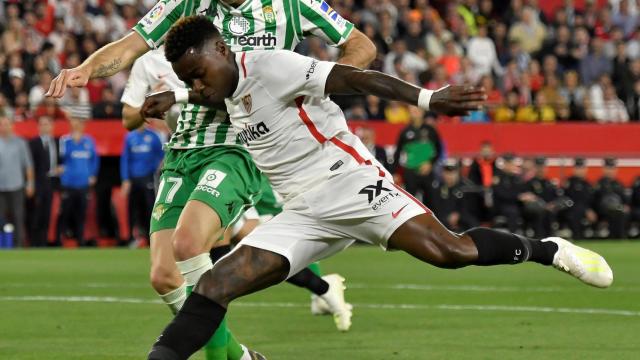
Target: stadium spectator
{"x":482,"y":52}
{"x":368,"y":137}
{"x":573,"y":94}
{"x":50,"y":108}
{"x":76,"y":103}
{"x":402,"y":58}
{"x":44,"y":151}
{"x":613,"y":109}
{"x":450,"y":198}
{"x":506,"y":112}
{"x":16,"y":178}
{"x":540,"y":111}
{"x":595,"y":64}
{"x":78,"y":168}
{"x":418,"y":149}
{"x":529,"y":32}
{"x":374,"y":106}
{"x":36,"y":94}
{"x":539,"y":212}
{"x":580,"y":191}
{"x":109,"y":107}
{"x":610,"y":201}
{"x":508,"y":192}
{"x":141,"y":156}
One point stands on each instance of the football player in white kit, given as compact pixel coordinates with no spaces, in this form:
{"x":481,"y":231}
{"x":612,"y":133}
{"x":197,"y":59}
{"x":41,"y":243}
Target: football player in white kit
{"x":334,"y":190}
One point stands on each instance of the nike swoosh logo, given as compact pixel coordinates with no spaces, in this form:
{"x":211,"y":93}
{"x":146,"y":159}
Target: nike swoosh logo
{"x":396,"y":213}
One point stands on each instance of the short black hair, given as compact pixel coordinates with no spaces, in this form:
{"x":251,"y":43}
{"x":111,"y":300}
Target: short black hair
{"x":188,"y":32}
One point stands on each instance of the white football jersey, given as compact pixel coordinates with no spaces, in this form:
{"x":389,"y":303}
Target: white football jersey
{"x":295,"y":134}
{"x":150,"y":73}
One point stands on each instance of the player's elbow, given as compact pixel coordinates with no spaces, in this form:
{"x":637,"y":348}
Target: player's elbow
{"x":362,"y":46}
{"x":369,"y":51}
{"x":131,"y":118}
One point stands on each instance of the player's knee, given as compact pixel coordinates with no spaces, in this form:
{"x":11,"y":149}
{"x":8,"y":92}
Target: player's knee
{"x":186,"y":244}
{"x":163,"y":279}
{"x":454,"y":253}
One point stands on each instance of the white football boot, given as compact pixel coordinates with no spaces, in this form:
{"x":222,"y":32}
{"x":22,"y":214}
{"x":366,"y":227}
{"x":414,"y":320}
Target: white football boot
{"x":332,"y":302}
{"x":582,"y":263}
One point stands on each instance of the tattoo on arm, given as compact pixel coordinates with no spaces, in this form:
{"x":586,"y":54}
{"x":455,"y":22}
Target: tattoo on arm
{"x":108,"y":69}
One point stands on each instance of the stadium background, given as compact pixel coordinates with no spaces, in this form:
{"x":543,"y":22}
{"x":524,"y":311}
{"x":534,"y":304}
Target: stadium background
{"x":97,"y":303}
{"x":527,"y":55}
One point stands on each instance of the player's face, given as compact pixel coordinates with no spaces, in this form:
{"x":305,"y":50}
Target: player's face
{"x":209,"y":71}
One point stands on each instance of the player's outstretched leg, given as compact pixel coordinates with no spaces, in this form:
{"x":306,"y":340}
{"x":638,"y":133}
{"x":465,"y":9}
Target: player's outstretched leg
{"x":245,"y":271}
{"x":329,"y":290}
{"x":425,"y":238}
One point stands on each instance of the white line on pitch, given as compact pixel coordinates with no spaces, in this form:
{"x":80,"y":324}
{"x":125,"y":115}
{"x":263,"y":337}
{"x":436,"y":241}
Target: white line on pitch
{"x":453,"y":307}
{"x":417,"y":287}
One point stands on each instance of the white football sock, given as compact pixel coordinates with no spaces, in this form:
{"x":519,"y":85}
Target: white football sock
{"x":175,"y":298}
{"x":192,"y":269}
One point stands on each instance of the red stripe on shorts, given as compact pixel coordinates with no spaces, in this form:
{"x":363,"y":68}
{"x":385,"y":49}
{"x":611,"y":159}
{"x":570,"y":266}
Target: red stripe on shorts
{"x":414,"y":199}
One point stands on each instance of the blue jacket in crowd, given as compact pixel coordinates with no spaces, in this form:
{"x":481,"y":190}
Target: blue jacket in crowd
{"x":141,"y":155}
{"x":80,"y":160}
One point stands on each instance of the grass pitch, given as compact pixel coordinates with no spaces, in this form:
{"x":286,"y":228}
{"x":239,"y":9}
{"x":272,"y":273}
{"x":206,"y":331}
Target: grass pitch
{"x":97,"y":304}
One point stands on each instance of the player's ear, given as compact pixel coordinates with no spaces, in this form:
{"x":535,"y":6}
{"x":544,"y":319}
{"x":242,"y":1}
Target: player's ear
{"x":221,"y":47}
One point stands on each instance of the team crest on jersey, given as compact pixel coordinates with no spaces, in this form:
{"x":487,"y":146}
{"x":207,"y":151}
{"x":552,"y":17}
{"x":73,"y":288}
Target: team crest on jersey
{"x":246,"y":101}
{"x":269,"y":16}
{"x":158,"y":210}
{"x":239,"y":25}
{"x":153,"y":15}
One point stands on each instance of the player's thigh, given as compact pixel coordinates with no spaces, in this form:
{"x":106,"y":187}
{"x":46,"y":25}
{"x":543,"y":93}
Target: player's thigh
{"x":198,"y":228}
{"x":298,"y":237}
{"x":227,"y":183}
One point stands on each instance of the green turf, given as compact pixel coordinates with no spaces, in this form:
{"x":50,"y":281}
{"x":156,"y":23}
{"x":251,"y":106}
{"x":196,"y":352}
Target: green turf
{"x":461,"y":314}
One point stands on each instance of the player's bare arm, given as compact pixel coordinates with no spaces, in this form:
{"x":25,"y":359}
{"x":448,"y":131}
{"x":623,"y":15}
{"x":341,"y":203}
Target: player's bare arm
{"x":451,"y":100}
{"x":358,"y":50}
{"x":106,"y":61}
{"x":157,"y":104}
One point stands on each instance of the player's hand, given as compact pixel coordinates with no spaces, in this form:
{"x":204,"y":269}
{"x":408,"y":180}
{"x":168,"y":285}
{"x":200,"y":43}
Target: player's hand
{"x":76,"y":77}
{"x":30,"y":190}
{"x":425,"y":169}
{"x":125,"y":188}
{"x":157,"y":104}
{"x":457,"y":100}
{"x":92,"y":180}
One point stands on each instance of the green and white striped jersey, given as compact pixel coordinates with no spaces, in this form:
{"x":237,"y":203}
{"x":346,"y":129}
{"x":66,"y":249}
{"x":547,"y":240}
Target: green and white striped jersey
{"x":254,"y":25}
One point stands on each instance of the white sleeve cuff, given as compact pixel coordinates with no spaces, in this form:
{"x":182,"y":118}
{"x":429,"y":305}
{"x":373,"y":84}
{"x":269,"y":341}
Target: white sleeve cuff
{"x":424,"y":98}
{"x":181,"y":95}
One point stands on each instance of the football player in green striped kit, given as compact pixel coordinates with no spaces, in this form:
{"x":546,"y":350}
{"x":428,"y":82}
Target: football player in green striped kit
{"x":208,"y":179}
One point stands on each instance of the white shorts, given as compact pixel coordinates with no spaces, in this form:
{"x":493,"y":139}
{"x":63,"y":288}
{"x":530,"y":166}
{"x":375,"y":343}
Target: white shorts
{"x":360,"y":205}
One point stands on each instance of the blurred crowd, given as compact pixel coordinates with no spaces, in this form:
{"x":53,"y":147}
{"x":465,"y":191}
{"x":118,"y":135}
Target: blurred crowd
{"x":514,"y":193}
{"x":571,"y":65}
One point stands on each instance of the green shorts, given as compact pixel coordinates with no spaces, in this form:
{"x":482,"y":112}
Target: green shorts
{"x":223,"y":177}
{"x":269,"y":204}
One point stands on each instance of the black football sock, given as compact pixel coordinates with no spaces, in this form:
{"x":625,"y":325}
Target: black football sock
{"x":309,"y":280}
{"x":189,"y":330}
{"x":498,"y":247}
{"x":218,"y":252}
